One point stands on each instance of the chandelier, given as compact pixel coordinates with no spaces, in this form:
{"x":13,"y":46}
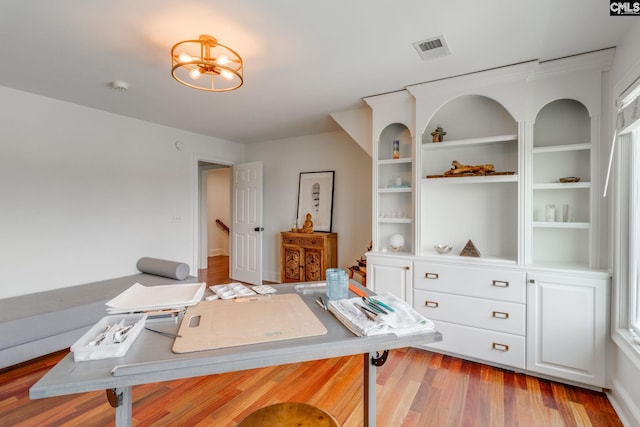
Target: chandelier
{"x":206,"y":64}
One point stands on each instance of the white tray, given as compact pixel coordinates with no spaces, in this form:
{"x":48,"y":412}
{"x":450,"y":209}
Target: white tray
{"x":83,"y":351}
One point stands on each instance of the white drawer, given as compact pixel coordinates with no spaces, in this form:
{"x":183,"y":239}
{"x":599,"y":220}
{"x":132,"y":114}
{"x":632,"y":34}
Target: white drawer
{"x":479,"y":344}
{"x":482,"y":313}
{"x":505,"y":285}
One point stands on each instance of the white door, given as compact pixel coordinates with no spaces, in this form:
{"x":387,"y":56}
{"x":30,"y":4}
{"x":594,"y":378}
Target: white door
{"x":246,"y":226}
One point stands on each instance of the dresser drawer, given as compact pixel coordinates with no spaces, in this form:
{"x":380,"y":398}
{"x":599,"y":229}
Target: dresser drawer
{"x":479,"y":344}
{"x":505,"y":285}
{"x":495,"y":315}
{"x":308,"y":241}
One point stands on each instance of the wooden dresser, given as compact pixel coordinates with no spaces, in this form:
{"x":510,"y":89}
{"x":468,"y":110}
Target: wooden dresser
{"x":306,"y":256}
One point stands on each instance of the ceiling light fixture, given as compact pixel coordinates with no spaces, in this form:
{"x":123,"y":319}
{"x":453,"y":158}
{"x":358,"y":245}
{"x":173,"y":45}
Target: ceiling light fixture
{"x":207,"y":65}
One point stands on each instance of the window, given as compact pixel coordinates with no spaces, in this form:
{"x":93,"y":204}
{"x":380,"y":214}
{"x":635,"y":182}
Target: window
{"x":626,"y":237}
{"x":634,"y":234}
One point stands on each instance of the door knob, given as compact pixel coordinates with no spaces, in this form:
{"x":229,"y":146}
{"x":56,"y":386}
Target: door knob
{"x":258,"y":229}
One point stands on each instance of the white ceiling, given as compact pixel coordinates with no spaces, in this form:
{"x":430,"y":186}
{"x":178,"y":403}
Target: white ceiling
{"x":303,"y":59}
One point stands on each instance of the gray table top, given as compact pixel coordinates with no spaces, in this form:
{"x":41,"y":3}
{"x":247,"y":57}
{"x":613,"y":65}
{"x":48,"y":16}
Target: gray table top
{"x":150,"y":358}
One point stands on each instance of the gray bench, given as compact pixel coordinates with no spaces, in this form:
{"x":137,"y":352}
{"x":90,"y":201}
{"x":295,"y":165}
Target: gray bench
{"x":38,"y":324}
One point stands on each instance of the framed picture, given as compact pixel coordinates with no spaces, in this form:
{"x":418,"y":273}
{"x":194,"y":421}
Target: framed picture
{"x":315,"y":196}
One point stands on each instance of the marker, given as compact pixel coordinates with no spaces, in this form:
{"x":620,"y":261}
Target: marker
{"x":381,"y":304}
{"x":373,"y":306}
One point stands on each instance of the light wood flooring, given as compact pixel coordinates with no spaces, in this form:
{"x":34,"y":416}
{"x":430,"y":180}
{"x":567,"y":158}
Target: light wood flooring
{"x":415,"y":388}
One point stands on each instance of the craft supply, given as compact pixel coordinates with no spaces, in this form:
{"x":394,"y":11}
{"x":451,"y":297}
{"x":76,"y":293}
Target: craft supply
{"x":112,"y":336}
{"x":225,"y":323}
{"x":374,"y":307}
{"x":167,"y":334}
{"x":381,"y":304}
{"x":231,"y":290}
{"x":365,"y":312}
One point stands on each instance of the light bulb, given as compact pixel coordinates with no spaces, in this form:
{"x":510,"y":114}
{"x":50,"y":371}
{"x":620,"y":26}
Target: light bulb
{"x":226,"y":74}
{"x":195,"y":74}
{"x":223,"y":59}
{"x":183,"y":57}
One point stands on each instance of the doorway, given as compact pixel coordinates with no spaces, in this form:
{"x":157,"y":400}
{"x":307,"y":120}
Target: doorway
{"x":214,"y":191}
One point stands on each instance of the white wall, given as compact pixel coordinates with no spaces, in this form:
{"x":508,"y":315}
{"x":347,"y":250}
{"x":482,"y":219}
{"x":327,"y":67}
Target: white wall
{"x":219,"y":207}
{"x":84,"y":193}
{"x":283,"y":160}
{"x":624,"y":362}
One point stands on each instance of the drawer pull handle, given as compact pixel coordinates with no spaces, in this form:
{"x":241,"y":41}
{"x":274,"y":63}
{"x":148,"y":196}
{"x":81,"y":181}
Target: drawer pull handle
{"x":499,"y":347}
{"x":500,"y":315}
{"x":500,"y":283}
{"x":431,"y":275}
{"x":431,"y":304}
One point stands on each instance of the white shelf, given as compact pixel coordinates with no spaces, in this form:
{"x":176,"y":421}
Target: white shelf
{"x":555,"y":224}
{"x":395,"y":220}
{"x":561,"y":185}
{"x":559,"y":148}
{"x":394,"y":161}
{"x":470,"y":180}
{"x":394,"y":190}
{"x":460,"y":143}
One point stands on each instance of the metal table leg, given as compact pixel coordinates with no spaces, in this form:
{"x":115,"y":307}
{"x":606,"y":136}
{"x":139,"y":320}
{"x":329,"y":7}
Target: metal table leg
{"x":369,"y":391}
{"x":122,"y":398}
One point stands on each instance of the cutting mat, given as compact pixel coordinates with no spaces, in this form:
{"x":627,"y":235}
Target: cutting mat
{"x":228,"y":323}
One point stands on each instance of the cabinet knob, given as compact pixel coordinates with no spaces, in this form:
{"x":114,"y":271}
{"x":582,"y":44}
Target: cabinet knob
{"x":500,"y":284}
{"x":431,"y":304}
{"x":407,"y":267}
{"x":431,"y":275}
{"x":500,"y":315}
{"x":499,"y":347}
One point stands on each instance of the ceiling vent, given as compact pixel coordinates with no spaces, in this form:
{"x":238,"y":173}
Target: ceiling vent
{"x":432,"y":48}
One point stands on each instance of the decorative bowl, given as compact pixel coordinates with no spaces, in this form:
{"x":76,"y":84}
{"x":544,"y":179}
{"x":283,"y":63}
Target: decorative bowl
{"x":443,"y":249}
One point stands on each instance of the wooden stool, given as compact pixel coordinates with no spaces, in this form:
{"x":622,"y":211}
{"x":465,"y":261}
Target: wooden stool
{"x":289,"y":414}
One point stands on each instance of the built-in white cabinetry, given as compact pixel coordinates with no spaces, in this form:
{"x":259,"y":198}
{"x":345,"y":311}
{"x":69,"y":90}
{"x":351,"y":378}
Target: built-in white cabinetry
{"x":481,"y":312}
{"x":536,"y":123}
{"x":391,"y":274}
{"x":567,"y":326}
{"x":393,"y":171}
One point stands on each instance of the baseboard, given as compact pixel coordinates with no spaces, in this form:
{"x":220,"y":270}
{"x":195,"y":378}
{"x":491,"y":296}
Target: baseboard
{"x":625,"y":407}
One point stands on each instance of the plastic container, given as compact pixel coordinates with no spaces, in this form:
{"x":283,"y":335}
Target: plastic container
{"x":83,"y":351}
{"x":337,"y":284}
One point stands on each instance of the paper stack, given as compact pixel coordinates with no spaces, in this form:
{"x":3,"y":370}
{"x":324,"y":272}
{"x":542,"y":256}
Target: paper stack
{"x":139,"y":298}
{"x":403,"y":320}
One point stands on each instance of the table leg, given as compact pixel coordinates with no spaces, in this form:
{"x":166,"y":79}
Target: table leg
{"x":123,"y":410}
{"x":369,"y":390}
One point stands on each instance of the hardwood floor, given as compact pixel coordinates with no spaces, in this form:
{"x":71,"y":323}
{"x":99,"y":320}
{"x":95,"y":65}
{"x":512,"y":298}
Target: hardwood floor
{"x":415,"y":388}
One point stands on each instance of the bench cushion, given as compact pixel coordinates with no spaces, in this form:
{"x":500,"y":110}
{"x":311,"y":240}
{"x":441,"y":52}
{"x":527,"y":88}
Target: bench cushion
{"x":32,"y":317}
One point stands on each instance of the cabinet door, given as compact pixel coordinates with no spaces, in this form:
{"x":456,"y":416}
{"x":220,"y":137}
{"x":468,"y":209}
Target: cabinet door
{"x":389,"y":275}
{"x":566,"y":321}
{"x":292,"y":264}
{"x":313,"y":265}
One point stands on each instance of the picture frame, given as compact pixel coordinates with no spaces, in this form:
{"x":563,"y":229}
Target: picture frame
{"x":315,"y":196}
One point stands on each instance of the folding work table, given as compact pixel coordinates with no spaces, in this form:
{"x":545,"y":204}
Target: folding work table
{"x":150,"y":360}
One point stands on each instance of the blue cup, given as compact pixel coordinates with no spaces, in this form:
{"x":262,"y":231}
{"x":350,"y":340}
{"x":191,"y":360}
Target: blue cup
{"x":337,"y":284}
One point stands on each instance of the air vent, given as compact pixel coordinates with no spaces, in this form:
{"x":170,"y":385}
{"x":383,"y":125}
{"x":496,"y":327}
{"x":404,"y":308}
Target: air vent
{"x":432,"y":47}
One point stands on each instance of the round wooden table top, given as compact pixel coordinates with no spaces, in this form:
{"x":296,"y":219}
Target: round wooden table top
{"x":289,"y":414}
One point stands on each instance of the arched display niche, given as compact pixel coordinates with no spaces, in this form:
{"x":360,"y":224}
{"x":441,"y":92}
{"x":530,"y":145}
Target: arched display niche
{"x":483,"y":209}
{"x":562,"y":211}
{"x":394,"y":177}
